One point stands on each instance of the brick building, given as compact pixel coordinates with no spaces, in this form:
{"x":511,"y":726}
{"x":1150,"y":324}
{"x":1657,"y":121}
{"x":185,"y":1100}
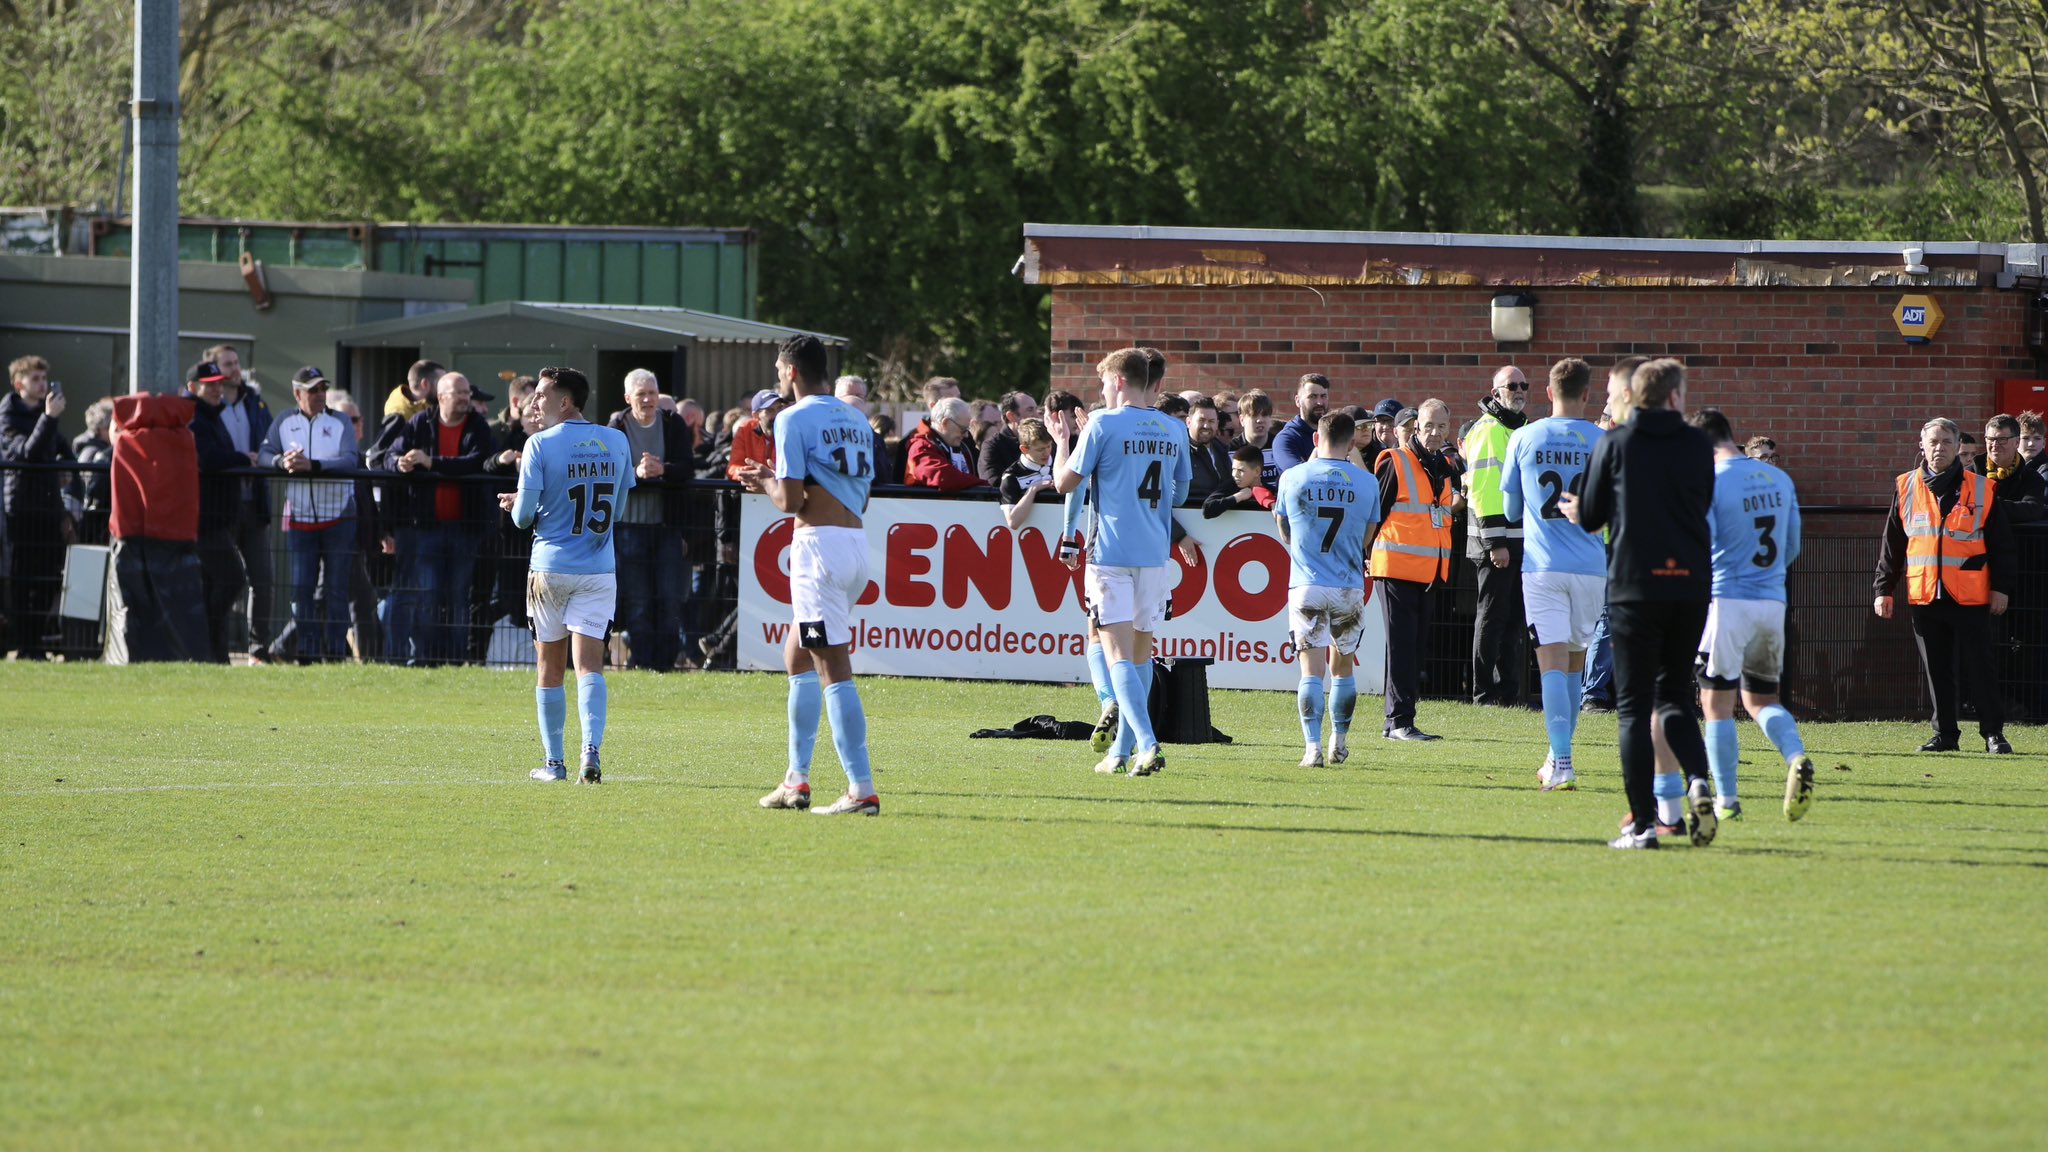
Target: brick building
{"x":1796,"y":340}
{"x":1791,"y":339}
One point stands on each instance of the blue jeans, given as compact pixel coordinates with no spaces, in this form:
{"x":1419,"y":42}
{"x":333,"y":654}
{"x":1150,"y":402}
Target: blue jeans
{"x":427,"y":621}
{"x":652,"y":583}
{"x":320,"y":599}
{"x":1600,"y":664}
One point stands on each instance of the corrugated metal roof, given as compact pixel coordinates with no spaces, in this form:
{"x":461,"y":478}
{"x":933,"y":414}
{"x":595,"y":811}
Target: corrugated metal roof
{"x":619,"y":319}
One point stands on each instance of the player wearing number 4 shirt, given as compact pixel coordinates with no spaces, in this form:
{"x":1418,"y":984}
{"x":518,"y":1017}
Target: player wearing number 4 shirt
{"x":1135,"y":462}
{"x":1755,"y":520}
{"x":1325,"y":507}
{"x":824,"y":463}
{"x":573,"y":480}
{"x":1564,"y":567}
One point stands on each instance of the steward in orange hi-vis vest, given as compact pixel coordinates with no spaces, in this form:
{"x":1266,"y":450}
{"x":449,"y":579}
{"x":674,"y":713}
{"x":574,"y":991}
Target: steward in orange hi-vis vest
{"x":1414,"y":543}
{"x":1945,"y":555}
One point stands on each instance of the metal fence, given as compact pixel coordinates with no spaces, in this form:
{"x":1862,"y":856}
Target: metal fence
{"x":423,"y":588}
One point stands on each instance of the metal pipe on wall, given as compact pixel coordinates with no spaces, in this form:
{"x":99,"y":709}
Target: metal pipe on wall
{"x":153,"y":279}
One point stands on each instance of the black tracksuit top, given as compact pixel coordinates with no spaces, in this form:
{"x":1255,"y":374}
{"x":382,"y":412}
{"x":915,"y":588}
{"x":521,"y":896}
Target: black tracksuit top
{"x":1652,"y":481}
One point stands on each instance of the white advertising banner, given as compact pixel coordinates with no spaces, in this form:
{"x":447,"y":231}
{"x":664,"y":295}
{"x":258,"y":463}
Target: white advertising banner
{"x":955,"y":593}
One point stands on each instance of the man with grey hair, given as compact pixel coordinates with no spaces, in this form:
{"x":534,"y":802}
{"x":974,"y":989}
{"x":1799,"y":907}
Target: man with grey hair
{"x":653,"y":562}
{"x":1950,"y":540}
{"x":1410,"y":551}
{"x":852,"y":390}
{"x":1000,"y":449}
{"x":936,"y":453}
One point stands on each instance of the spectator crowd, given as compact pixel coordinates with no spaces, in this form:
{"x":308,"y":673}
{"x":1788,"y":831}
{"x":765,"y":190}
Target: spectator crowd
{"x":387,"y":544}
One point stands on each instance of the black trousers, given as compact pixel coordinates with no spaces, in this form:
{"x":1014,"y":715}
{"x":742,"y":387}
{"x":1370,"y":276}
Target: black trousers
{"x":1655,"y":645}
{"x":1955,"y":646}
{"x":252,"y":543}
{"x":225,"y":579}
{"x":1404,"y":605}
{"x":35,"y":574}
{"x":1497,"y":631}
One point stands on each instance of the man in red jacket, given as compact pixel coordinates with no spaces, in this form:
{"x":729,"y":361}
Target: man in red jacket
{"x":936,"y":453}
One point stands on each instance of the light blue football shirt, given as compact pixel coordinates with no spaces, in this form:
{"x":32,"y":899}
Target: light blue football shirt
{"x":1136,"y":461}
{"x":822,"y":440}
{"x":1755,"y":519}
{"x":1546,"y":459}
{"x":573,"y":480}
{"x":1329,"y":505}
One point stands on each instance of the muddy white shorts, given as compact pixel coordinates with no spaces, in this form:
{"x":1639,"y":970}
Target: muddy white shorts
{"x":828,"y":572}
{"x":1134,"y":596}
{"x":1323,"y":617}
{"x":564,"y":602}
{"x":1744,"y":642}
{"x":1563,"y":607}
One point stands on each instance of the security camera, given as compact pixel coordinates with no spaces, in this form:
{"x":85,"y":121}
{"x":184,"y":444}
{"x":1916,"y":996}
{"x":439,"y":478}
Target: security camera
{"x":1914,"y":264}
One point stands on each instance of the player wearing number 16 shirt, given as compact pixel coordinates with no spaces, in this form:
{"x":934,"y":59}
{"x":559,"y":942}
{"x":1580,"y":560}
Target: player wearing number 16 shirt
{"x":824,"y":463}
{"x":1135,"y":462}
{"x":1564,"y":567}
{"x":1325,"y":507}
{"x":573,"y":480}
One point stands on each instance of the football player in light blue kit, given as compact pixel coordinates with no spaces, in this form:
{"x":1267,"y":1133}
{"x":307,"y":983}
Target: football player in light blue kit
{"x":573,"y":480}
{"x":1755,"y":519}
{"x":1325,"y":507}
{"x":1077,"y":541}
{"x":1564,"y":567}
{"x":824,"y":464}
{"x":1136,"y":463}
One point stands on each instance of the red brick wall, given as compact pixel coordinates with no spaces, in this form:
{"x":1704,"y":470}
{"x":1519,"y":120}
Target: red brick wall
{"x":1822,"y":370}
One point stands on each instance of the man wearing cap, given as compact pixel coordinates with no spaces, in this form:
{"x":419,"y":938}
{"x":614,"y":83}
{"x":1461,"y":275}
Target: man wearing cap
{"x":1494,"y":544}
{"x":1383,"y":428}
{"x":1410,"y":551}
{"x":753,"y":441}
{"x":440,"y":525}
{"x":319,"y":515}
{"x":221,"y":574}
{"x":247,"y":420}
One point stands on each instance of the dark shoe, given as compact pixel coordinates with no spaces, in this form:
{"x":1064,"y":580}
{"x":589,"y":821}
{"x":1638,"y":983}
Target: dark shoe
{"x":1589,"y":704}
{"x":1940,"y":744}
{"x":1998,"y":744}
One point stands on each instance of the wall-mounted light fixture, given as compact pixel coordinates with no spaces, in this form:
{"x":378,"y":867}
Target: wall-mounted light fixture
{"x":1916,"y":263}
{"x":1514,"y":317}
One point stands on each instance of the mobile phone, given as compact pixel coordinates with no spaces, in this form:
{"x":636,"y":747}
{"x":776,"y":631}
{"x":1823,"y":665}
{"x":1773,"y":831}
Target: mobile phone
{"x":56,"y":387}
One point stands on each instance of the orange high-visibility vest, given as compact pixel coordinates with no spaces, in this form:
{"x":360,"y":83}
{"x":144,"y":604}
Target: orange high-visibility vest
{"x":1415,"y":542}
{"x":1945,"y":553}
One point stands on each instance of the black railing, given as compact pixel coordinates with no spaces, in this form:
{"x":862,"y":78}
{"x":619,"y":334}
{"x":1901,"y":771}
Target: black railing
{"x":423,"y":590}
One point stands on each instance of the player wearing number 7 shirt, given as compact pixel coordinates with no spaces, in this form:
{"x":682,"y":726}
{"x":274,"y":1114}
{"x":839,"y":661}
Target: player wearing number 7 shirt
{"x":1325,"y":507}
{"x":1135,"y":462}
{"x":1564,"y":567}
{"x":824,"y":464}
{"x":573,"y":480}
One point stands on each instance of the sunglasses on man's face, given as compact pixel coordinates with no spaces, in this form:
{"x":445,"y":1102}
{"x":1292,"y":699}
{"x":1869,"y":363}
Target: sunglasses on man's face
{"x":1516,"y":385}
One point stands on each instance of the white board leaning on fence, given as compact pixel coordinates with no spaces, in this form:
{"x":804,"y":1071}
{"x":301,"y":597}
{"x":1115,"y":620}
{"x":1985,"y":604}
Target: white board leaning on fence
{"x":957,"y":595}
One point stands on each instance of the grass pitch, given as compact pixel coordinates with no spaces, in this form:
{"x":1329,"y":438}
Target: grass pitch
{"x":285,"y":908}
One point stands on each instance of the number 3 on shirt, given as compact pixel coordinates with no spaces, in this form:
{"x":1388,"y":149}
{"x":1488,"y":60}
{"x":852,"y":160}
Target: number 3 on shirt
{"x":593,"y":506}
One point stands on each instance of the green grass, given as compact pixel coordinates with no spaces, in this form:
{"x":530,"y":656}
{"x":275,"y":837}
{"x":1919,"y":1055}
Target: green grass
{"x":278,"y":908}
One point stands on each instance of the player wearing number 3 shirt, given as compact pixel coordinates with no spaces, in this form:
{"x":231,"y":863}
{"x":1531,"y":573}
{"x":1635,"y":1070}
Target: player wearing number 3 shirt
{"x":1136,"y":465}
{"x":824,"y":463}
{"x":573,"y":480}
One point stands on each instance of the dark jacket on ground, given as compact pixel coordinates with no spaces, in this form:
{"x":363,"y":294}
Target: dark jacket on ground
{"x":999,"y":449}
{"x":220,"y":497}
{"x":678,"y":460}
{"x":1652,"y":481}
{"x":1211,"y":463}
{"x":1998,"y":541}
{"x":410,"y":501}
{"x":28,"y":436}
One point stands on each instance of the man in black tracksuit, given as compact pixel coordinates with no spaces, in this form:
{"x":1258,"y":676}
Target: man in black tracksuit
{"x":1652,"y":481}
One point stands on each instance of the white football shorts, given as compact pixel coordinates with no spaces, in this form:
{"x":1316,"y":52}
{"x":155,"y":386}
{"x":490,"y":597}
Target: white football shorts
{"x":828,"y":571}
{"x":563,"y":602}
{"x":1563,"y":607}
{"x":1744,"y":641}
{"x":1323,"y":617}
{"x":1134,"y":596}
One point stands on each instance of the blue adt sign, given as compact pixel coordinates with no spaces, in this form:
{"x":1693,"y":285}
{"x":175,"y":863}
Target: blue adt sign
{"x":1913,"y":316}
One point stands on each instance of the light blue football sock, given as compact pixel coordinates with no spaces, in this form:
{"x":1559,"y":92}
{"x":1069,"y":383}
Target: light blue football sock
{"x":1133,"y":702}
{"x":850,"y":736}
{"x":1343,"y":702}
{"x":1310,"y":698}
{"x":1782,"y":731}
{"x":1723,"y":752}
{"x":1558,"y":715}
{"x":806,"y":701}
{"x":590,"y":707}
{"x":1098,"y":674}
{"x":554,"y":713}
{"x":1577,"y":698}
{"x":1669,"y":788}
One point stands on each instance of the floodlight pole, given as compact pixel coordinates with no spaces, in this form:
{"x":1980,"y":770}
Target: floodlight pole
{"x":153,"y":236}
